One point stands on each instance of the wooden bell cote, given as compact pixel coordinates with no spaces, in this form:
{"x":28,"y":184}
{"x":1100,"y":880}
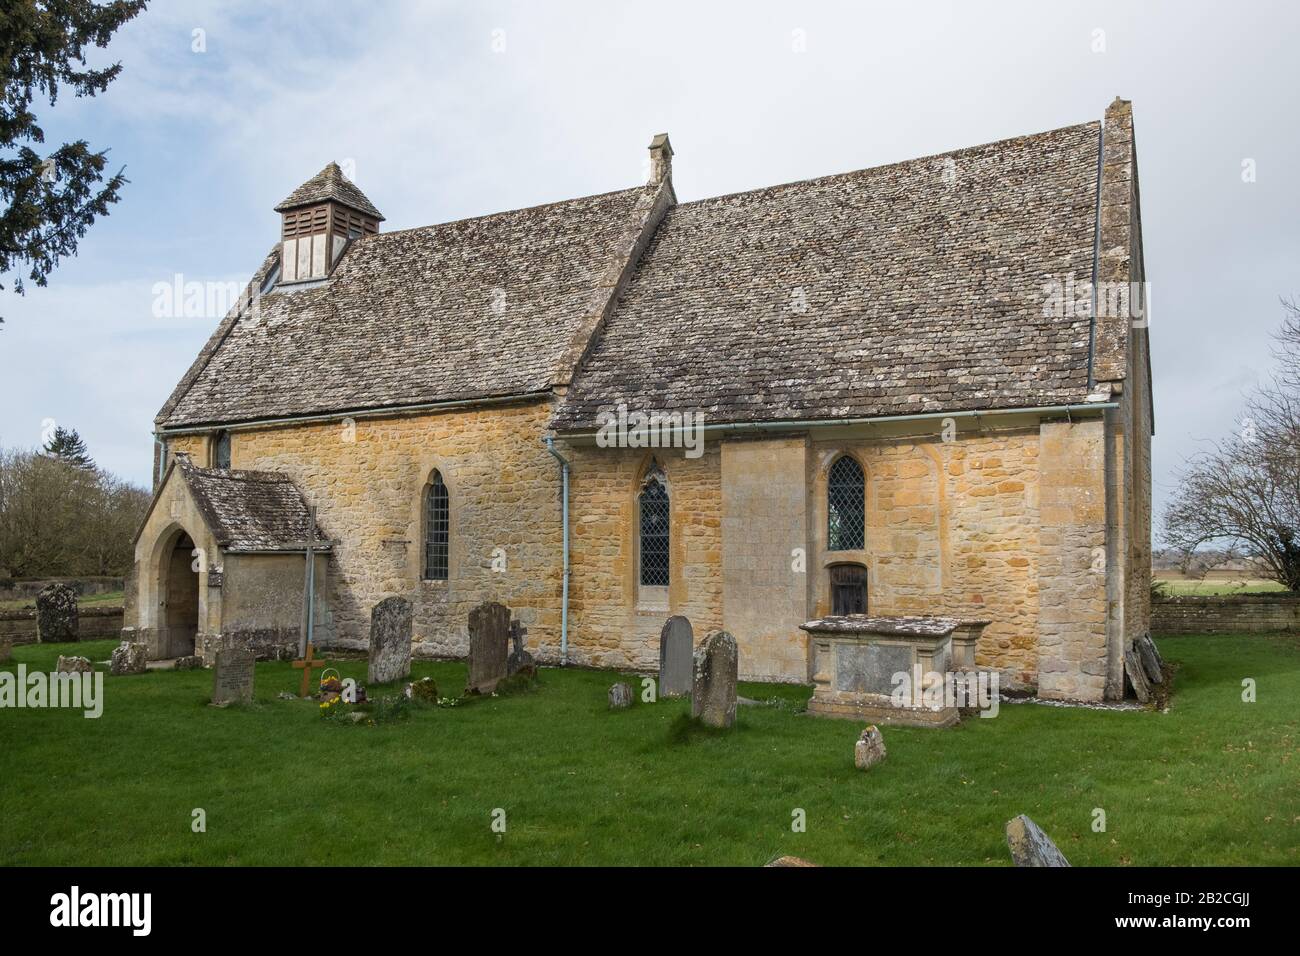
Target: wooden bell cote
{"x":318,"y":220}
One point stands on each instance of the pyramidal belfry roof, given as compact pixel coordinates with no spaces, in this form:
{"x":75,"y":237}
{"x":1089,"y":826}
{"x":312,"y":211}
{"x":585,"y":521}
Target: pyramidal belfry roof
{"x":329,"y":184}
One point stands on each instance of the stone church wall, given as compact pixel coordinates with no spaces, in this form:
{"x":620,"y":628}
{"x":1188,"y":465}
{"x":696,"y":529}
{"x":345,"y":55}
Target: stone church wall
{"x":367,"y":479}
{"x":612,"y":623}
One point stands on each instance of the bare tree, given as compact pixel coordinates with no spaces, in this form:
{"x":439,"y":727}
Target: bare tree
{"x":1244,"y":493}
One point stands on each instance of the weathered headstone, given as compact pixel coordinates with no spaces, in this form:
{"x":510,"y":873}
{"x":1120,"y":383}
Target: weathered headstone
{"x":1137,"y":677}
{"x":676,"y":643}
{"x":232,"y":676}
{"x":188,"y":663}
{"x":620,"y":696}
{"x":129,"y":658}
{"x":489,"y":636}
{"x":1151,"y":661}
{"x":74,"y":665}
{"x":519,"y":657}
{"x":390,"y":641}
{"x":56,"y":614}
{"x":713,"y":692}
{"x":870,"y":749}
{"x":6,"y":650}
{"x":1030,"y":846}
{"x":425,"y":689}
{"x":790,"y":861}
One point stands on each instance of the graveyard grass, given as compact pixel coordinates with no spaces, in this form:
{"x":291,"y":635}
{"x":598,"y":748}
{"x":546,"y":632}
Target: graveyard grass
{"x":1212,"y":781}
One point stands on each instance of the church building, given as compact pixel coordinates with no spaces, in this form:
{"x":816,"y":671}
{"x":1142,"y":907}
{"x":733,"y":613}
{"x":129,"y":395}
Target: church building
{"x":916,"y":389}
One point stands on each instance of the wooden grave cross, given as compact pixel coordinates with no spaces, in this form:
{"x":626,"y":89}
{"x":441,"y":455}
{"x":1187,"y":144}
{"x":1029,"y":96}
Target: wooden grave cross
{"x":306,"y":665}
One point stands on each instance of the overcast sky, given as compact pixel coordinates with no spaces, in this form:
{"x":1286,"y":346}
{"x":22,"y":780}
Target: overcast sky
{"x":451,"y":110}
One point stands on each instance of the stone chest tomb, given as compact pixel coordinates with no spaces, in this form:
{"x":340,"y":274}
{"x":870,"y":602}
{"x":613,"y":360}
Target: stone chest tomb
{"x":859,"y":662}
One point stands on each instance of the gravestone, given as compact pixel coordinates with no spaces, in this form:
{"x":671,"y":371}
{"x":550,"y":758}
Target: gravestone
{"x":1136,"y":676}
{"x":713,"y":692}
{"x":620,"y":696}
{"x":1151,"y":660}
{"x":390,"y":641}
{"x":425,"y":689}
{"x":188,"y":663}
{"x":74,"y":665}
{"x":1030,"y":846}
{"x":676,"y":643}
{"x":6,"y":650}
{"x":129,"y":658}
{"x":870,"y":748}
{"x":56,"y":614}
{"x":489,"y":637}
{"x":519,"y":657}
{"x":232,"y":676}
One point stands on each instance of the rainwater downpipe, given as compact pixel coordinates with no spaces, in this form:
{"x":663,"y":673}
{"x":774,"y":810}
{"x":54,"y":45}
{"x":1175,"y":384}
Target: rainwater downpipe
{"x":564,"y":522}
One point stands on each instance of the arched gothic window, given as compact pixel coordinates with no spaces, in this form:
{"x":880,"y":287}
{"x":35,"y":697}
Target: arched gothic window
{"x":221,"y":450}
{"x":437,"y":529}
{"x":845,"y":508}
{"x":654,"y":530}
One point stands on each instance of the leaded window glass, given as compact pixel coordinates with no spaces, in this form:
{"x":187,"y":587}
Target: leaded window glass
{"x":654,"y":533}
{"x":221,"y":454}
{"x":437,"y":528}
{"x":846,"y":510}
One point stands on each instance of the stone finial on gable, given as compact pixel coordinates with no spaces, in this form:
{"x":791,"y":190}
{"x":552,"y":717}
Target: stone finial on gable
{"x":661,"y":159}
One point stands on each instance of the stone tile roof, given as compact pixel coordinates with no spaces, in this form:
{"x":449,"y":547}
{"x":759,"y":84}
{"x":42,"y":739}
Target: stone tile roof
{"x":478,"y":308}
{"x":329,"y":183}
{"x":250,"y":510}
{"x":904,"y":289}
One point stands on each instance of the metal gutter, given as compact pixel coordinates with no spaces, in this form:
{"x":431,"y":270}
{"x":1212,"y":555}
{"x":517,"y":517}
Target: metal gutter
{"x":1096,"y":259}
{"x":878,"y":420}
{"x":564,"y":522}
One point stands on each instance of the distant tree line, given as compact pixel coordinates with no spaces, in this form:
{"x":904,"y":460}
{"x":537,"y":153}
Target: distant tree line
{"x":62,"y":515}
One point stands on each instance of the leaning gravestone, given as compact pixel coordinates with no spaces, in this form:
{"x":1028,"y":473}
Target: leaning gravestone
{"x":713,"y":693}
{"x":676,"y":642}
{"x":489,"y":636}
{"x":390,"y":641}
{"x":1030,"y":846}
{"x":129,"y":658}
{"x":620,"y":696}
{"x":56,"y":614}
{"x":232,"y":676}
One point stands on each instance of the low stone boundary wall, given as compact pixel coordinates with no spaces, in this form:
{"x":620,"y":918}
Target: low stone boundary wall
{"x":27,"y":589}
{"x":1226,"y":614}
{"x":94,"y":623}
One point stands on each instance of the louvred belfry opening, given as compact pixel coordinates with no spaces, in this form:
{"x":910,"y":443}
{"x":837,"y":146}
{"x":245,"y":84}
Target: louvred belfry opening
{"x":318,"y":220}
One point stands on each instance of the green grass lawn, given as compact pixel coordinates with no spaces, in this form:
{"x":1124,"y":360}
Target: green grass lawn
{"x":1213,"y":781}
{"x":110,"y":599}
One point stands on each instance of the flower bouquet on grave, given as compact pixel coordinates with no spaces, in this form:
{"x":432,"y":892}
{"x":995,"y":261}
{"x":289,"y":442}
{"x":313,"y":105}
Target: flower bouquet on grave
{"x":331,"y":684}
